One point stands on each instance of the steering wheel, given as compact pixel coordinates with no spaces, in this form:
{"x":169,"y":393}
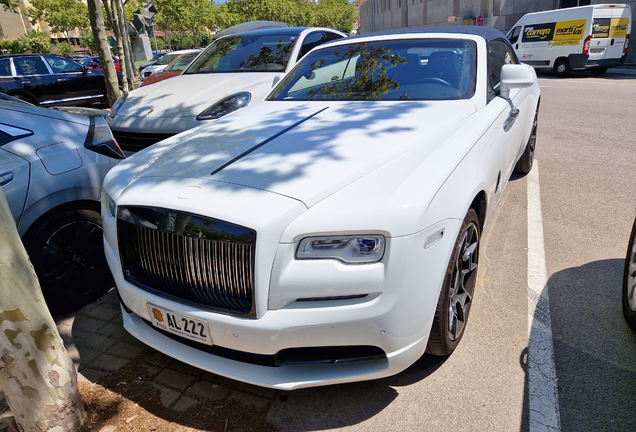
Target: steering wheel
{"x":436,"y":80}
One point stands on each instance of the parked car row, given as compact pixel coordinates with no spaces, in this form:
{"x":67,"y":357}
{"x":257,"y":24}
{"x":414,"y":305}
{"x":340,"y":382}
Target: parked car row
{"x":174,"y":68}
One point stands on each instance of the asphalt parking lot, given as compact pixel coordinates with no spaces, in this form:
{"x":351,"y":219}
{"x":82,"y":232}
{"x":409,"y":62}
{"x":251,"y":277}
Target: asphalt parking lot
{"x":584,"y":181}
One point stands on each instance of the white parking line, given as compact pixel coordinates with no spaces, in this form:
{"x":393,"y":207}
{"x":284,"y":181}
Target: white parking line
{"x":543,"y":399}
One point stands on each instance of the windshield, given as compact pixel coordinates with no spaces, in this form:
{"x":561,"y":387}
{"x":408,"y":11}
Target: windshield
{"x":182,"y":62}
{"x":167,"y":59}
{"x":415,"y":69}
{"x":245,"y":53}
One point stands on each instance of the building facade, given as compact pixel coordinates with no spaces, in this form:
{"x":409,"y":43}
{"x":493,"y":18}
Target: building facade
{"x":14,"y":23}
{"x":378,"y":15}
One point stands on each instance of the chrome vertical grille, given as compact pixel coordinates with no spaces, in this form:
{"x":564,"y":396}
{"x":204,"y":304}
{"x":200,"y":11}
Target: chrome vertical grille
{"x":188,"y":258}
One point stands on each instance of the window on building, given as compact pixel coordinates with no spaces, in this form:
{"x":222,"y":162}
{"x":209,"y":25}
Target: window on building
{"x":574,"y":3}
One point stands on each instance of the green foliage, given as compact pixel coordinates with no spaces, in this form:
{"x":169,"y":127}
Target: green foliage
{"x":61,"y":15}
{"x":336,"y":14}
{"x":192,"y":16}
{"x":64,"y":47}
{"x":13,"y":46}
{"x":87,"y":40}
{"x":9,"y":5}
{"x":182,"y":40}
{"x":160,"y":43}
{"x":37,"y":42}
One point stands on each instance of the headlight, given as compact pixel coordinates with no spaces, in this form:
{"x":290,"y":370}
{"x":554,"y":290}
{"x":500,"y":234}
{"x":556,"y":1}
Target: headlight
{"x":354,"y":249}
{"x":109,"y":203}
{"x":226,"y":106}
{"x":117,"y":105}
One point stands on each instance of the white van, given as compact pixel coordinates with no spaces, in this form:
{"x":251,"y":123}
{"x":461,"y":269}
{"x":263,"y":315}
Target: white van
{"x":580,"y":38}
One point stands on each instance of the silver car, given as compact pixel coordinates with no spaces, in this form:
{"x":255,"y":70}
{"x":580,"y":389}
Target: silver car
{"x":52,"y":164}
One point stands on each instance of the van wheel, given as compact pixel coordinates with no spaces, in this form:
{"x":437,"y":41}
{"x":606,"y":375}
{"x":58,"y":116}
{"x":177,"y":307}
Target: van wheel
{"x":598,"y":71}
{"x":562,"y":67}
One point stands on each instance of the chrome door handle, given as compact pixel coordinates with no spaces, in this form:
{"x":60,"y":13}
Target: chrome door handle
{"x":6,"y":178}
{"x":512,"y":116}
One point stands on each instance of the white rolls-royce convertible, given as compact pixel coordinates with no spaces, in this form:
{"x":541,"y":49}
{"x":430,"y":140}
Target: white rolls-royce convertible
{"x":330,"y":233}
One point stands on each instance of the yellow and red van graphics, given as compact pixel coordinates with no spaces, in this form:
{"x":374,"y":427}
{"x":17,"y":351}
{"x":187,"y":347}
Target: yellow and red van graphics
{"x":610,"y":27}
{"x":555,"y":33}
{"x":568,"y":32}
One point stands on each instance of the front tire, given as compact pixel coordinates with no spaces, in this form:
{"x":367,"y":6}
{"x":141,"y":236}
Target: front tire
{"x":524,"y":164}
{"x":66,"y":249}
{"x":629,"y":282}
{"x":455,"y":300}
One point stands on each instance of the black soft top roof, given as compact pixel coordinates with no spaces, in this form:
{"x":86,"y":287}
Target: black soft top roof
{"x":291,"y":31}
{"x":487,"y":33}
{"x":250,"y":26}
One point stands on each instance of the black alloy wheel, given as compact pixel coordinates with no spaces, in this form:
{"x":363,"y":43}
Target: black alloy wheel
{"x":524,"y":164}
{"x":629,"y":282}
{"x":455,"y":301}
{"x":67,"y":252}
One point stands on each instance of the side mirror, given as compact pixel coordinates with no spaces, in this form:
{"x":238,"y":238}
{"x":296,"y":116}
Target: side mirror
{"x":84,"y":70}
{"x":276,"y":80}
{"x":516,"y":76}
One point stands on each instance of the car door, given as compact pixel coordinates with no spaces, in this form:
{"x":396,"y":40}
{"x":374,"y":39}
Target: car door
{"x":509,"y":126}
{"x":14,"y":171}
{"x":73,"y":81}
{"x":35,"y":78}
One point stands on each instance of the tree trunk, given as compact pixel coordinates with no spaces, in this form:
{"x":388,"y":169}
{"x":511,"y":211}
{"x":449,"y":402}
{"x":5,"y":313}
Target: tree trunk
{"x":120,"y":49}
{"x":68,"y":39}
{"x":109,"y":15}
{"x":36,"y":372}
{"x":103,"y":50}
{"x":123,"y":25}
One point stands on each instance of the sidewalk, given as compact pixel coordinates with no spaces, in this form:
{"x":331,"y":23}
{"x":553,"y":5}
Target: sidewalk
{"x":101,"y":349}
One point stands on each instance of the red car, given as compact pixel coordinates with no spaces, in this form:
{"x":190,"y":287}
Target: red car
{"x":96,"y":64}
{"x":175,"y":68}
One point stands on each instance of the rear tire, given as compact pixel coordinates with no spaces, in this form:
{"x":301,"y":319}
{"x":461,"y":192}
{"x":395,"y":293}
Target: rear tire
{"x":562,"y":67}
{"x":598,"y":71}
{"x":524,"y":164}
{"x":455,"y":299}
{"x":66,"y":249}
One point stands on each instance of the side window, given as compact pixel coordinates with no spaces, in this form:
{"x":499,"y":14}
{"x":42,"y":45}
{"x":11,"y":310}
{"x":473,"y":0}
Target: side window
{"x":30,"y":66}
{"x":62,"y":65}
{"x":5,"y":67}
{"x":332,"y":36}
{"x":312,"y":40}
{"x":499,"y":54}
{"x":513,"y":35}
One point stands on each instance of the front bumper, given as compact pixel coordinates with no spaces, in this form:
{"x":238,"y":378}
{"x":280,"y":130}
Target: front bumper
{"x":395,"y":315}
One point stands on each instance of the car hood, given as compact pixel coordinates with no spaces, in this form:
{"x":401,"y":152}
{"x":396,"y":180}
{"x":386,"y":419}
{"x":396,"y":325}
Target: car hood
{"x":305,"y":150}
{"x":188,"y":95}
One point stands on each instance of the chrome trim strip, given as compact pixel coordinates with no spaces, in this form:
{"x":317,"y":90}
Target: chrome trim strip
{"x":71,"y":99}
